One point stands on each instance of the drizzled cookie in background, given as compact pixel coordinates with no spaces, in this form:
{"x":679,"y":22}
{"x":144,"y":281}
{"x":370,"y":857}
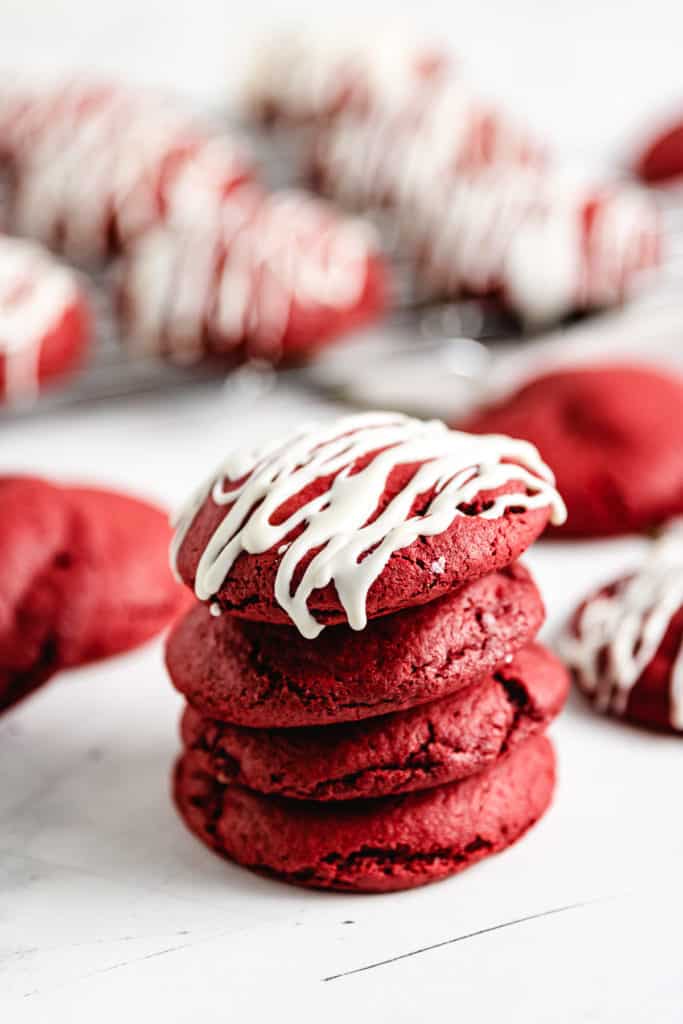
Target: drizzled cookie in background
{"x":624,"y":643}
{"x":211,"y":262}
{"x":271,"y":276}
{"x":91,"y":165}
{"x":45,"y":322}
{"x":469,"y":191}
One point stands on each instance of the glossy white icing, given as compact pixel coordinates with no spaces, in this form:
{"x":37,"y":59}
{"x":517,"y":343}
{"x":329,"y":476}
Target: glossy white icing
{"x":623,"y":237}
{"x":92,"y":161}
{"x":392,"y":155}
{"x":237,"y":280}
{"x":498,"y":230}
{"x":619,"y":633}
{"x":35,"y":292}
{"x":476,"y":207}
{"x":491,"y":221}
{"x":351,"y":548}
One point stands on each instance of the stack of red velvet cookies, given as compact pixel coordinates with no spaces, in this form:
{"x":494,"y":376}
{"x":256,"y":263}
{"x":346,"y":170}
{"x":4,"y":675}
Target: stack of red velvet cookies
{"x":366,"y":705}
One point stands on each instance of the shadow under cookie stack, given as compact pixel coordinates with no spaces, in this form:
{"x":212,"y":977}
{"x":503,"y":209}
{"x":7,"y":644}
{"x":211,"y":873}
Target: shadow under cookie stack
{"x":366,"y":702}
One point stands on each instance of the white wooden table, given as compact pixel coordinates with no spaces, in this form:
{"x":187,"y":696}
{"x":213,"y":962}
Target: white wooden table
{"x":108,"y":906}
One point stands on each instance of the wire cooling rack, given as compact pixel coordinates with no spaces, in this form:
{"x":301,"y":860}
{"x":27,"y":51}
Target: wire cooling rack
{"x":437,"y":359}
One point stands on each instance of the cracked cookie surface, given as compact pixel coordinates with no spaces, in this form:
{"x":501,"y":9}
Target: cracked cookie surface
{"x":444,"y":741}
{"x":382,"y":845}
{"x":268,"y":676}
{"x":416,"y":574}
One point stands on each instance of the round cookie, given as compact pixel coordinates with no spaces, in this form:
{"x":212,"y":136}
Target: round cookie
{"x":444,"y":741}
{"x":661,"y":161}
{"x":45,"y":585}
{"x":270,"y":276}
{"x":135,"y":595}
{"x":371,"y":845}
{"x":370,"y":162}
{"x":360,"y":518}
{"x":44,"y":319}
{"x":83,"y":575}
{"x":624,"y":646}
{"x":613,"y":435}
{"x":267,"y":676}
{"x":477,"y":213}
{"x":92,"y":165}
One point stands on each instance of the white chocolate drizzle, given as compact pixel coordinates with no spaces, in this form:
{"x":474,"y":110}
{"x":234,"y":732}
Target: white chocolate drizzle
{"x":236,"y":279}
{"x":351,"y":547}
{"x":492,"y":220}
{"x":35,"y":292}
{"x":389,"y":156}
{"x":94,"y":164}
{"x":618,"y":633}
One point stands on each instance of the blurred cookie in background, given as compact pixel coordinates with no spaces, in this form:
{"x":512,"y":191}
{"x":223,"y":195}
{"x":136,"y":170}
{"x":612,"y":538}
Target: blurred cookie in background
{"x":83,"y":575}
{"x":273,"y":276}
{"x":465,"y":191}
{"x":613,"y":436}
{"x":660,"y":161}
{"x":92,"y":165}
{"x":545,"y":247}
{"x":624,"y":644}
{"x":45,"y":323}
{"x":212,"y":264}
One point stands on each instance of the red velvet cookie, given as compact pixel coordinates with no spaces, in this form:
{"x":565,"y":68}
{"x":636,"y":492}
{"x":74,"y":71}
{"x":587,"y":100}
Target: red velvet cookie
{"x":45,"y":583}
{"x":477,"y":213}
{"x":270,"y":276}
{"x":661,"y":161}
{"x":371,"y":845}
{"x":267,"y":676}
{"x":359,"y":519}
{"x":383,"y":160}
{"x":624,"y":646}
{"x":135,"y":595}
{"x":444,"y":741}
{"x":93,"y":164}
{"x":613,"y":434}
{"x":83,"y":574}
{"x":44,"y":319}
{"x":596,"y":243}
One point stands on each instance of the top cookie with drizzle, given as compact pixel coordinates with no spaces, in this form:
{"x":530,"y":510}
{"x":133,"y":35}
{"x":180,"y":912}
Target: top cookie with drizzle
{"x":359,"y":518}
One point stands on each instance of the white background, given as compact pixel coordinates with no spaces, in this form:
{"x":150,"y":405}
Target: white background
{"x":107,"y":905}
{"x":585,"y":72}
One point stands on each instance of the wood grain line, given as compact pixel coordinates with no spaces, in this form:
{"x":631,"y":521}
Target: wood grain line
{"x":462,"y":938}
